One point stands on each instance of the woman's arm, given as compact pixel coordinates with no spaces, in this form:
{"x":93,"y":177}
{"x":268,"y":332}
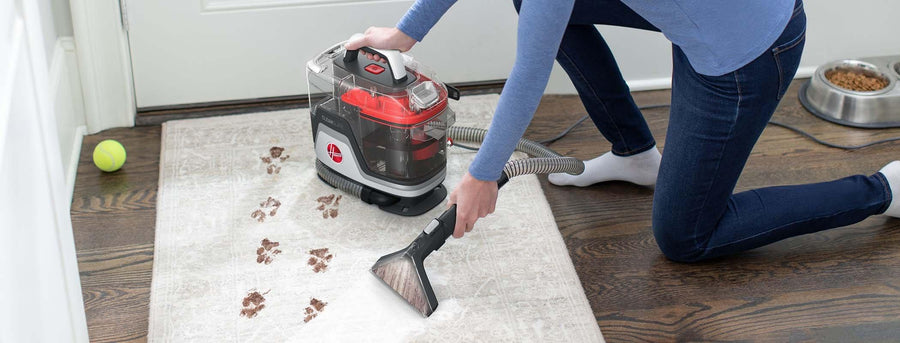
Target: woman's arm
{"x":541,"y":27}
{"x":412,"y":28}
{"x":422,"y":16}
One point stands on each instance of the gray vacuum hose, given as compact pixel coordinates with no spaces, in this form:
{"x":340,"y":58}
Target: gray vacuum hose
{"x":543,"y":165}
{"x":546,"y":161}
{"x":337,"y":181}
{"x":475,"y":135}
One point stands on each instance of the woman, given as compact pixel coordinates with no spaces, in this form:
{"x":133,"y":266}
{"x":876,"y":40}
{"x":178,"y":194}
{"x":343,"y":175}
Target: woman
{"x":732,"y":63}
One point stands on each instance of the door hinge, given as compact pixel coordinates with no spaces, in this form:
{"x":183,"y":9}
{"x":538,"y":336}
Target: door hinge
{"x":123,"y":9}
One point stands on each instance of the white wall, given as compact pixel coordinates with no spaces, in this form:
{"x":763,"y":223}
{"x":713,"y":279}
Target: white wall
{"x":65,"y":82}
{"x":68,"y":106}
{"x":46,"y":304}
{"x":62,"y":17}
{"x":833,"y":32}
{"x":48,"y":27}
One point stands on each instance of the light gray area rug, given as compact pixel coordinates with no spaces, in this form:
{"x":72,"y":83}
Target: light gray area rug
{"x":252,"y":247}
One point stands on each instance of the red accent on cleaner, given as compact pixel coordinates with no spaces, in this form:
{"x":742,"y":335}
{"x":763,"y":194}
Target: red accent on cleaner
{"x":334,"y":152}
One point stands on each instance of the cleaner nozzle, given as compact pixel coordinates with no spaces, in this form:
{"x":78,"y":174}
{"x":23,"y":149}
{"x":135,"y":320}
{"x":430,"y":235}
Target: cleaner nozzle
{"x":404,"y":270}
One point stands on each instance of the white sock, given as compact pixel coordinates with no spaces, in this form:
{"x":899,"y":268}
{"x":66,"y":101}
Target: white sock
{"x":892,"y":173}
{"x":640,"y":169}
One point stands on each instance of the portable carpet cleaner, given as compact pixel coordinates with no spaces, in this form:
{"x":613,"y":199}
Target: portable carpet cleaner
{"x":381,"y":133}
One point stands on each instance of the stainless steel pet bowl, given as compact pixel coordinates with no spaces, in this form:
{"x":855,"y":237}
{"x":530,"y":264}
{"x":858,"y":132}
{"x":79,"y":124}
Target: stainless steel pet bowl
{"x":876,"y":109}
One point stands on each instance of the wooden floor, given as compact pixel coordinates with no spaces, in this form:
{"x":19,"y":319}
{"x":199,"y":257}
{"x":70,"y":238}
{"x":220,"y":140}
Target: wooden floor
{"x":836,"y":286}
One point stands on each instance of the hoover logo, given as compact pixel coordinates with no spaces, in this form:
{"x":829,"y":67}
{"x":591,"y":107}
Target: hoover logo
{"x":334,"y":152}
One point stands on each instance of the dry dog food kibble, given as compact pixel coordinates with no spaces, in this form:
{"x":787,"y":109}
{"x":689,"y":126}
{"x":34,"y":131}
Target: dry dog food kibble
{"x":855,"y":81}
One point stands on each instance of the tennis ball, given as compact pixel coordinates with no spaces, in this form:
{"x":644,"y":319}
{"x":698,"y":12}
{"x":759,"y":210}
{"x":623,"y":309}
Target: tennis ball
{"x":109,"y":155}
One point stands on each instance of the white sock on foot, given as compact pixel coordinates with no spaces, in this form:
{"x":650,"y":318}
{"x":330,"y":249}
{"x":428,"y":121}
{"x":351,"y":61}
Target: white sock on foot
{"x":892,"y":173}
{"x":640,"y":169}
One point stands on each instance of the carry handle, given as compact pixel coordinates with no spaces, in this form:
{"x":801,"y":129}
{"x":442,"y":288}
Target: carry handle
{"x":395,"y":60}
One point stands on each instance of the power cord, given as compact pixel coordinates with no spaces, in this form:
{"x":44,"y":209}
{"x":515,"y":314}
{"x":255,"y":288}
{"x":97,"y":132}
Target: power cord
{"x":771,"y":122}
{"x":831,"y":145}
{"x":463,"y":146}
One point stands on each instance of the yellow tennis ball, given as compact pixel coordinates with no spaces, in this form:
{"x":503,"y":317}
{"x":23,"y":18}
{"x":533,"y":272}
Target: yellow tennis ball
{"x":109,"y":155}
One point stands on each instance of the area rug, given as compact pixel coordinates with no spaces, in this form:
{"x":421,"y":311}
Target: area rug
{"x":252,"y":247}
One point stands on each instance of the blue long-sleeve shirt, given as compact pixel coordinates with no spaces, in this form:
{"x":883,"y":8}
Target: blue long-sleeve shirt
{"x":718,"y":37}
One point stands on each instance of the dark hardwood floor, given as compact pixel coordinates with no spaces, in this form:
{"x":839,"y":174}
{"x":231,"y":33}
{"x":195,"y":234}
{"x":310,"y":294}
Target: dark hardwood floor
{"x":841,"y":285}
{"x":114,"y":217}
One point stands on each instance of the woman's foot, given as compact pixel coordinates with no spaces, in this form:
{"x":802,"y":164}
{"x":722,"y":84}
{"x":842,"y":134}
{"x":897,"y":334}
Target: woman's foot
{"x":892,"y":173}
{"x":640,"y":169}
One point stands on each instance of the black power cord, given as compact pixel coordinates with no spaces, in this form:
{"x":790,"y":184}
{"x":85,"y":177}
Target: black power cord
{"x":771,"y":122}
{"x":463,"y":146}
{"x":831,"y":145}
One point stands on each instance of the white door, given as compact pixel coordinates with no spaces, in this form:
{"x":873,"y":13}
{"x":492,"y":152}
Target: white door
{"x":38,"y":269}
{"x":211,"y":50}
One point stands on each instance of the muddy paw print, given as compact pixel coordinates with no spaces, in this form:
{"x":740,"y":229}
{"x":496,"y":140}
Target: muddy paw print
{"x":253,"y":303}
{"x":328,"y":204}
{"x":315,"y":307}
{"x":266,"y":252}
{"x":319,"y":259}
{"x":270,"y":207}
{"x":274,"y":159}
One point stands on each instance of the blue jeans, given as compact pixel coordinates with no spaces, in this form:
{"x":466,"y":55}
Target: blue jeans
{"x":713,"y":125}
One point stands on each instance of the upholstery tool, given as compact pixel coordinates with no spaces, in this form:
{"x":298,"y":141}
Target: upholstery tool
{"x":404,"y":270}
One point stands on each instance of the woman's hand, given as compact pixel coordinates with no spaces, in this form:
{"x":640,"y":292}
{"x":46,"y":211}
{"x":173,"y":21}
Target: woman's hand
{"x":382,"y":38}
{"x":474,"y":199}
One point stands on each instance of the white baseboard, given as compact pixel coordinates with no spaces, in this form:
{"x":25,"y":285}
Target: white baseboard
{"x":650,"y":84}
{"x":68,"y":106}
{"x":74,"y":157}
{"x":666,"y":82}
{"x":560,"y":84}
{"x":804,"y":72}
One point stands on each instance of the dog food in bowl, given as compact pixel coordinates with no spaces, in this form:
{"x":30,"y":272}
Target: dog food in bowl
{"x":856,"y":79}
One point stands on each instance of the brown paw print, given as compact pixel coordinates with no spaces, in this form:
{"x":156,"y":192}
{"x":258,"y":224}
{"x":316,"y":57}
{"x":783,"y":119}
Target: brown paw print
{"x":253,"y":303}
{"x":315,"y":307}
{"x":271,"y":205}
{"x":328,"y":204}
{"x":274,"y":159}
{"x":266,"y":253}
{"x":318,"y":259}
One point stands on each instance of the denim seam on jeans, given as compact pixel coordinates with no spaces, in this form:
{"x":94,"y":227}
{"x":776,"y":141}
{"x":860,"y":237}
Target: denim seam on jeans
{"x":737,"y":113}
{"x":888,"y":195}
{"x":797,"y":9}
{"x":638,"y":150}
{"x":780,"y":227}
{"x":776,"y":52}
{"x":597,"y":97}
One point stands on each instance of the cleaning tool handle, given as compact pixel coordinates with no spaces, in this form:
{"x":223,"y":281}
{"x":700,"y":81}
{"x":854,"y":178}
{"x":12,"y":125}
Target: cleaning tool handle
{"x":395,"y":60}
{"x":442,"y":227}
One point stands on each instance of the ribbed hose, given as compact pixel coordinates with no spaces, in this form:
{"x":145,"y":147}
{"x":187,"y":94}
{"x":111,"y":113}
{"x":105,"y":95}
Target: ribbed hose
{"x":338,"y":181}
{"x":545,"y":161}
{"x":475,"y":135}
{"x":543,"y":165}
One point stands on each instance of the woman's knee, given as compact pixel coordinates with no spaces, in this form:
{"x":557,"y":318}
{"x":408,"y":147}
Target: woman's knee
{"x":675,"y":240}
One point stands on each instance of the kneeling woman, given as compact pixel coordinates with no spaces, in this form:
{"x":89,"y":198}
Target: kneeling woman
{"x":732,"y":60}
